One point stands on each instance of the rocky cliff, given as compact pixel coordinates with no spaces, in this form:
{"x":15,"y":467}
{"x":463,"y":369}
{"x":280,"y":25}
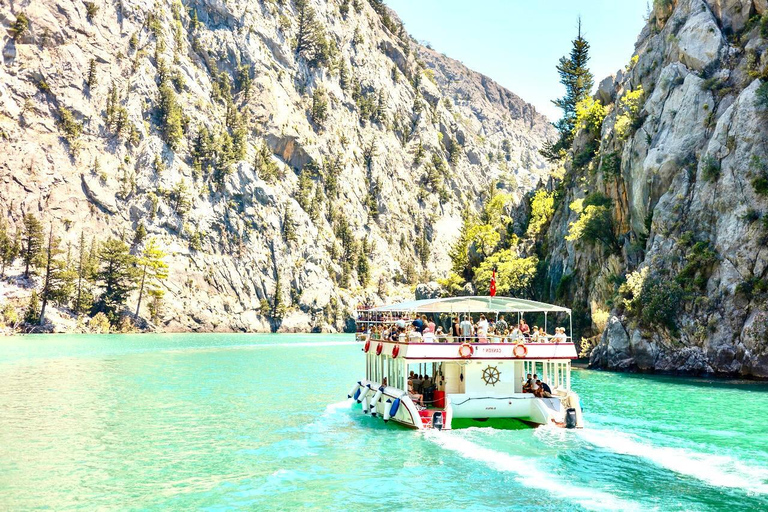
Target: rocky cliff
{"x":270,"y":146}
{"x":659,"y":236}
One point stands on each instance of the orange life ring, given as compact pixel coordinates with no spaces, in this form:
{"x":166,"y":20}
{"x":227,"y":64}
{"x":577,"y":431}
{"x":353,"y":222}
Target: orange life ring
{"x":395,"y":351}
{"x":379,"y":348}
{"x":520,"y":351}
{"x":367,"y":346}
{"x":466,"y":350}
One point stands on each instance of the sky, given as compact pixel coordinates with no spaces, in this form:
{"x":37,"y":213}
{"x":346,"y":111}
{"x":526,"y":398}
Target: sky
{"x":519,"y":42}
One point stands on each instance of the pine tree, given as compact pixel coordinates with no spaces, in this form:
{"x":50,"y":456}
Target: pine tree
{"x":33,"y":243}
{"x":319,"y":112}
{"x":9,"y":247}
{"x":306,"y":37}
{"x":55,"y":279}
{"x":30,"y":316}
{"x":116,"y":276}
{"x":86,"y":269}
{"x":153,"y":271}
{"x":170,"y":116}
{"x":578,"y":82}
{"x":91,"y":81}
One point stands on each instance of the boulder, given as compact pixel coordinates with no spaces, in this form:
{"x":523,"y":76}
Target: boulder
{"x":430,"y":290}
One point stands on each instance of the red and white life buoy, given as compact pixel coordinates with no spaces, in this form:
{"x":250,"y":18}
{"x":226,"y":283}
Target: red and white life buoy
{"x":520,"y":351}
{"x":395,"y":351}
{"x":466,"y":350}
{"x":367,"y":346}
{"x":379,"y":348}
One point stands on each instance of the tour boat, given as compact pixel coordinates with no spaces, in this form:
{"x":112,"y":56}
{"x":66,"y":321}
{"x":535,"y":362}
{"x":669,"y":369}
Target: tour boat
{"x":476,"y":379}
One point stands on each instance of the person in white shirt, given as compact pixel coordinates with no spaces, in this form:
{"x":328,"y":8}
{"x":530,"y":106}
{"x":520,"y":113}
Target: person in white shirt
{"x":466,"y":329}
{"x":482,"y":324}
{"x":428,"y":336}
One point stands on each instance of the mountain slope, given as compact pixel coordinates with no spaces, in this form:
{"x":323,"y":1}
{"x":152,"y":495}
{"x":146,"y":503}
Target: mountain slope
{"x":678,"y":280}
{"x":268,"y":174}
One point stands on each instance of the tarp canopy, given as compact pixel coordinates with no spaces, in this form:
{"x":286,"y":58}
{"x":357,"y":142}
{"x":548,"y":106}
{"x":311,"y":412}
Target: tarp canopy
{"x":475,"y":304}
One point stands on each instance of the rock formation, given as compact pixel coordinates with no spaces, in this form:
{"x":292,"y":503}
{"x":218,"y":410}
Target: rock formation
{"x":260,"y":141}
{"x":682,"y":163}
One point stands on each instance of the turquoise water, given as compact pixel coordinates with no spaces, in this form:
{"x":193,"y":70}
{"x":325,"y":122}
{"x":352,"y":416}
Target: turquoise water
{"x":222,"y":422}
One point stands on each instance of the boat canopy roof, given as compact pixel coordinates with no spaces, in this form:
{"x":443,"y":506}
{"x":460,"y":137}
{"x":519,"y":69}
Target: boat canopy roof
{"x":473,"y":304}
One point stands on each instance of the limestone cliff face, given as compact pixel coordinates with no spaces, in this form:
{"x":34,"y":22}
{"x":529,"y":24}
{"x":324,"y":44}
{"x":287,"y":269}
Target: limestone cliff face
{"x":405,"y":139}
{"x":685,"y":290}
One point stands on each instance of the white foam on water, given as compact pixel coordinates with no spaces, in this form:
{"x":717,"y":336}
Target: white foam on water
{"x":716,"y":470}
{"x":527,"y":474}
{"x":330,"y":416}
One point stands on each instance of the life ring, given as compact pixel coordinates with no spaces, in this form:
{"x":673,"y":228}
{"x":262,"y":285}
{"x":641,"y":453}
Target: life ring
{"x":520,"y":351}
{"x":466,"y":350}
{"x":379,"y":348}
{"x":395,"y":351}
{"x":367,"y":346}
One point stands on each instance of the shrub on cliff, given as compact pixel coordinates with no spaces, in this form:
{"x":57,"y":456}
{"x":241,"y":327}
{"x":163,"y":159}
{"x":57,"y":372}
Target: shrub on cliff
{"x":20,"y":26}
{"x":594,"y":222}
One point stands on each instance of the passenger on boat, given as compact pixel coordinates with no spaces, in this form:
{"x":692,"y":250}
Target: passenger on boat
{"x":455,"y":329}
{"x":400,"y":323}
{"x":440,"y":335}
{"x":501,"y":325}
{"x":528,"y":383}
{"x":418,"y":324}
{"x":534,"y":385}
{"x":414,"y":336}
{"x":466,"y":329}
{"x":384,"y":382}
{"x":428,"y":336}
{"x":515,"y":336}
{"x":524,"y":329}
{"x":416,"y":397}
{"x":560,"y":336}
{"x":541,"y":391}
{"x":535,"y":334}
{"x":430,"y":323}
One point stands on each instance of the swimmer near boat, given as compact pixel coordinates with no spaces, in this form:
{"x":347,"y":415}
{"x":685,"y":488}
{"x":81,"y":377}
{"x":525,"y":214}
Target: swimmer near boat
{"x":430,"y":364}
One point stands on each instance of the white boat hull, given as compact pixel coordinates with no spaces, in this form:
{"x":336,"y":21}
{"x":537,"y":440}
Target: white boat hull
{"x":519,"y":406}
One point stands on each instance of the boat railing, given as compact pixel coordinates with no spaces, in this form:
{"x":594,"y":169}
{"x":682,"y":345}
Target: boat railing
{"x":460,"y":340}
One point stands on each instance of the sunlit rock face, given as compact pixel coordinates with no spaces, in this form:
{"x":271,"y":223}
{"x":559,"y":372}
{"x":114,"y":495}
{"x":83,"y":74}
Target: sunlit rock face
{"x":687,"y":206}
{"x":385,"y":97}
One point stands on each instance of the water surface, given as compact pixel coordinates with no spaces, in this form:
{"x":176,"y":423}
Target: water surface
{"x":222,"y":422}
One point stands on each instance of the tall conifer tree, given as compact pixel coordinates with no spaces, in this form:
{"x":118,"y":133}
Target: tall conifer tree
{"x":578,"y":81}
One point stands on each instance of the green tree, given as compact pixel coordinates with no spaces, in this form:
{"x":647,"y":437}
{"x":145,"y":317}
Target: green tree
{"x":514,"y":274}
{"x":542,"y":210}
{"x":171,"y":116}
{"x":578,"y":82}
{"x":91,"y":81}
{"x":32,"y":239}
{"x":153,"y":270}
{"x":58,"y":278}
{"x":595,"y":221}
{"x":9,"y":247}
{"x":116,"y":276}
{"x":33,"y":308}
{"x":319,"y":111}
{"x":308,"y":31}
{"x":87,"y":265}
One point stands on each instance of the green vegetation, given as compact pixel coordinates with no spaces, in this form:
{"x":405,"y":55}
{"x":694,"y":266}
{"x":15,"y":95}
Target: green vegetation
{"x":759,"y":169}
{"x":514,"y":275}
{"x":595,"y":222}
{"x":9,"y":246}
{"x":311,"y":42}
{"x":710,"y":168}
{"x":611,"y":166}
{"x":20,"y":26}
{"x":542,"y":209}
{"x":71,"y":128}
{"x":91,"y":9}
{"x":153,"y":271}
{"x":628,"y":119}
{"x":589,"y":116}
{"x":116,"y":276}
{"x":170,"y":116}
{"x":578,"y":82}
{"x":761,"y":96}
{"x":32,"y":244}
{"x":91,"y":80}
{"x":319,"y":111}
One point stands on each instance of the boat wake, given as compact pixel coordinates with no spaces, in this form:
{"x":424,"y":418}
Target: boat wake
{"x":716,"y":470}
{"x":526,"y":473}
{"x":330,"y":417}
